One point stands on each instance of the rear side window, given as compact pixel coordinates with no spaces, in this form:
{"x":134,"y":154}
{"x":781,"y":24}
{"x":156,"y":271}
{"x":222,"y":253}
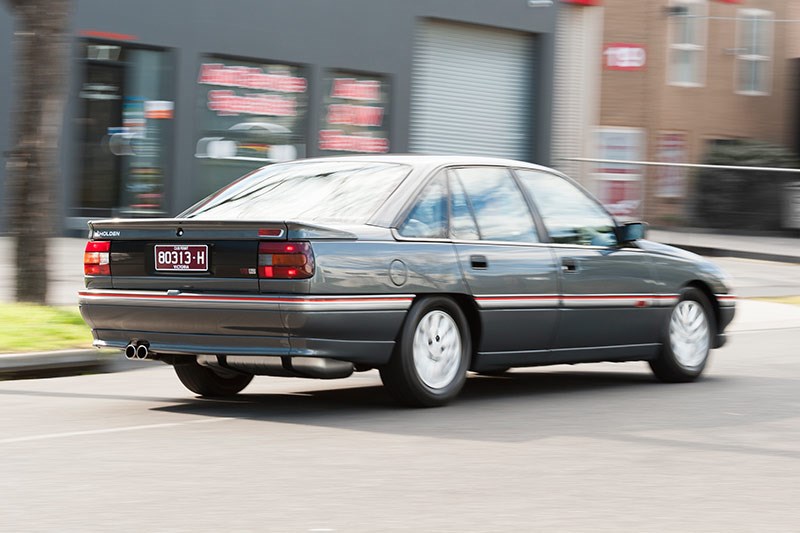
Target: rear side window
{"x":570,"y":215}
{"x":345,"y":192}
{"x":500,"y":208}
{"x":428,"y":218}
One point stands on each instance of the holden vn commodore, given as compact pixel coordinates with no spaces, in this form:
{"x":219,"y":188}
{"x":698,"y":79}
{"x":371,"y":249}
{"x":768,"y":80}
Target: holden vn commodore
{"x":423,"y":267}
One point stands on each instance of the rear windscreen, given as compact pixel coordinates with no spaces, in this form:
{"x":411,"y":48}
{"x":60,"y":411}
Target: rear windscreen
{"x":346,"y":192}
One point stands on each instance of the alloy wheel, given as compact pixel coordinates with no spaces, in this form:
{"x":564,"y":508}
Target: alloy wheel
{"x":689,"y":333}
{"x":437,"y":349}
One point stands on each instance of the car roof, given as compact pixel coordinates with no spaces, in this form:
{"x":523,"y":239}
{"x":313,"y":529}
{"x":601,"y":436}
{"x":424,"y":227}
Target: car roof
{"x":431,"y":161}
{"x":423,"y":166}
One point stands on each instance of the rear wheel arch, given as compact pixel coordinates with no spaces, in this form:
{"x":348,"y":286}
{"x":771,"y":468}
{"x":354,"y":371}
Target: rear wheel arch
{"x":469,"y":307}
{"x":433,"y":374}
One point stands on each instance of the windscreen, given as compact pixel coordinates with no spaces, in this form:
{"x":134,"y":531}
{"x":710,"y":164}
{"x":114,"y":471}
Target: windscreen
{"x":344,"y":192}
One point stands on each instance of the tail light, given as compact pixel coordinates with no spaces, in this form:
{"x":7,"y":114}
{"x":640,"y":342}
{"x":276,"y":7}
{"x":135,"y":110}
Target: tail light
{"x":96,"y":258}
{"x":285,"y":260}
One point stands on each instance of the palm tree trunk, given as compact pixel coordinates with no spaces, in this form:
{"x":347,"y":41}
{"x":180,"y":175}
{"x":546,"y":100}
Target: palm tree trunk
{"x":41,"y":43}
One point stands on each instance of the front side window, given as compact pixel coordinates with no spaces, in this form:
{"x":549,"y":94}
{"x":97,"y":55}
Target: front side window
{"x":428,"y":218}
{"x":687,"y":42}
{"x":754,"y":51}
{"x":570,"y":215}
{"x":498,"y":204}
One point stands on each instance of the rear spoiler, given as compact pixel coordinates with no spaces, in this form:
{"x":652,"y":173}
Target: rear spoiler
{"x":192,"y":229}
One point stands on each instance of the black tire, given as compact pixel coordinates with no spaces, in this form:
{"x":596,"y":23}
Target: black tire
{"x":401,"y":375}
{"x":205,"y":382}
{"x":671,"y":366}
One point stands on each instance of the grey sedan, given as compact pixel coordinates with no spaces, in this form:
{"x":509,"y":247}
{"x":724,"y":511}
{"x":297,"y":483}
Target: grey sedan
{"x":423,"y":267}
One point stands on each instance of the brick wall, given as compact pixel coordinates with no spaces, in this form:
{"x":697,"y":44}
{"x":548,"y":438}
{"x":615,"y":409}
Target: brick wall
{"x":644,"y":99}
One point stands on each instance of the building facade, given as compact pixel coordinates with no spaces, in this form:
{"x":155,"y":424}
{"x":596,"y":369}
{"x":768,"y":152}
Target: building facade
{"x":169,"y":101}
{"x":675,"y":77}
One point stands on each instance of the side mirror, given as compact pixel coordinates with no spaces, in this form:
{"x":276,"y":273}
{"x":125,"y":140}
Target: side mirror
{"x":631,"y":231}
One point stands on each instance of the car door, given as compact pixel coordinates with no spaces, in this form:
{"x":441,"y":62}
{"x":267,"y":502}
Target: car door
{"x":609,"y":293}
{"x":510,"y":273}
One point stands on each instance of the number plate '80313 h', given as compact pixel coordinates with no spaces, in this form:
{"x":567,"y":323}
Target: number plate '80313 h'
{"x":181,"y":257}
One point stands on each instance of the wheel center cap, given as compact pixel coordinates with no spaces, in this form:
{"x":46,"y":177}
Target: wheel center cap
{"x":435,"y":349}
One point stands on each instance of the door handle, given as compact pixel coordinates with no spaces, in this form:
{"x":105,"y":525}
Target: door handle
{"x":569,"y":265}
{"x":478,"y":261}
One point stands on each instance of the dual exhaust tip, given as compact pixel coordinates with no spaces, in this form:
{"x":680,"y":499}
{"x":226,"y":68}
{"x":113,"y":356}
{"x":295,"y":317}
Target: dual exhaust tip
{"x":138,"y":350}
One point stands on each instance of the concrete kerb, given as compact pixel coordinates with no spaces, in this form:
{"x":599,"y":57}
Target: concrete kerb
{"x":741,"y":254}
{"x":764,"y":248}
{"x":57,"y":363}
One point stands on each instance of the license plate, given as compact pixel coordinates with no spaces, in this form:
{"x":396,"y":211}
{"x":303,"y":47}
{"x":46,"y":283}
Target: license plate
{"x":181,"y":257}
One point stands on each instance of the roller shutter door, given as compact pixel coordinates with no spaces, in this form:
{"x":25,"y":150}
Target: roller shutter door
{"x":472,"y":91}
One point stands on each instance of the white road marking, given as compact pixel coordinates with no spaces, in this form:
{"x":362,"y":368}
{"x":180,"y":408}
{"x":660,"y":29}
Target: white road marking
{"x":109,"y":430}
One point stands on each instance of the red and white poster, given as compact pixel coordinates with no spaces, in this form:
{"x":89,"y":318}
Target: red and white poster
{"x":671,"y":147}
{"x":619,"y":185}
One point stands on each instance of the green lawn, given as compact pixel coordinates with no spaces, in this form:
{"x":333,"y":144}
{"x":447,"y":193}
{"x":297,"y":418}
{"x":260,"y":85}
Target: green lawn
{"x":34,"y":328}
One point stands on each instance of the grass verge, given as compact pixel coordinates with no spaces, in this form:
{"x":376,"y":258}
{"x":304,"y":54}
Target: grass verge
{"x":794,"y":300}
{"x":36,"y":328}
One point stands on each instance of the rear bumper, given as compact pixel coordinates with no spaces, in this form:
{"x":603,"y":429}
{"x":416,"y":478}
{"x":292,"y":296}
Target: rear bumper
{"x":356,"y":328}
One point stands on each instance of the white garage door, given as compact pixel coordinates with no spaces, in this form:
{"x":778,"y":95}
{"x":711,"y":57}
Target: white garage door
{"x":472,"y":91}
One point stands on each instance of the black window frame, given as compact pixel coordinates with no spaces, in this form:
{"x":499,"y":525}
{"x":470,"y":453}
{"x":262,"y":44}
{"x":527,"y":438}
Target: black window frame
{"x":451,"y":175}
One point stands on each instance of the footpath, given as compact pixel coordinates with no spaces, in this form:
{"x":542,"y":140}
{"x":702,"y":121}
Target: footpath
{"x":67,"y":280}
{"x":780,"y":249}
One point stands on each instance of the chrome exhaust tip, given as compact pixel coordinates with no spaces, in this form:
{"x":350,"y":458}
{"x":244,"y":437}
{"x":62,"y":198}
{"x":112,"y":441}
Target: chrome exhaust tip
{"x":142,"y":351}
{"x":130,"y":351}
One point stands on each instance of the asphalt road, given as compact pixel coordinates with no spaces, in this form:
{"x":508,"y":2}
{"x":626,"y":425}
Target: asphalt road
{"x":597,"y":447}
{"x":585,"y":448}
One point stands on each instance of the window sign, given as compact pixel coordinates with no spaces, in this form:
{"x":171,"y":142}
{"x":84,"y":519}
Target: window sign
{"x":355,"y":113}
{"x":624,"y":56}
{"x":619,"y":185}
{"x":251,"y":114}
{"x":671,"y":181}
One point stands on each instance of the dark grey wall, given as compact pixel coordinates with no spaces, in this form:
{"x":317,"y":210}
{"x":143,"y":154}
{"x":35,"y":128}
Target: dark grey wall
{"x":363,"y":35}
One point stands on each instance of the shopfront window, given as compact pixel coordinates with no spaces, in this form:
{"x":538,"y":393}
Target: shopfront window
{"x":355,"y":115}
{"x":251,"y":113}
{"x":125,"y":118}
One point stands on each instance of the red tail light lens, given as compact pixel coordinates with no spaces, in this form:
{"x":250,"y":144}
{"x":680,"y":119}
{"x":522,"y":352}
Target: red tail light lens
{"x":96,"y":261}
{"x":285,"y":260}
